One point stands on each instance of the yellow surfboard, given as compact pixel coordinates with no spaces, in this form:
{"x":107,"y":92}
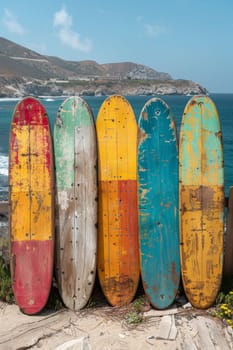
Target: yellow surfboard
{"x":118,"y":252}
{"x":201,"y":201}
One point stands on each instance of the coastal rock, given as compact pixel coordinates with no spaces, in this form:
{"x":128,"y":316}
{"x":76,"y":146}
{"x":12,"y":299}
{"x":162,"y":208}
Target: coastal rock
{"x":41,"y":89}
{"x":97,"y":88}
{"x":89,"y":92}
{"x":141,"y":72}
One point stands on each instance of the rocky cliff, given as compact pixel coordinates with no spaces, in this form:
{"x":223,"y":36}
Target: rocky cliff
{"x":24,"y":72}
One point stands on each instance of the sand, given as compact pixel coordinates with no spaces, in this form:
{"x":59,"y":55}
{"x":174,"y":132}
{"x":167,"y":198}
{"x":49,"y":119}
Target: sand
{"x":106,"y":328}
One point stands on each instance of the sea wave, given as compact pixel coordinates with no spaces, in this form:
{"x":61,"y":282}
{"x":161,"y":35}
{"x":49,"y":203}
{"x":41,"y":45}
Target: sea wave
{"x":6,"y":99}
{"x":4,"y":165}
{"x":49,"y":98}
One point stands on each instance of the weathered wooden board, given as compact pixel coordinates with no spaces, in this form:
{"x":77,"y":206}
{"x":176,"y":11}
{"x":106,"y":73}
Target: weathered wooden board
{"x":76,"y":203}
{"x":31,"y":205}
{"x":158,"y":203}
{"x":118,"y":252}
{"x":201,"y":201}
{"x":228,"y":257}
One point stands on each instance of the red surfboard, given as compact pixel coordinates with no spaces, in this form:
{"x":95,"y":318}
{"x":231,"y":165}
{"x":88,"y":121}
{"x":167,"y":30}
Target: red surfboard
{"x":31,"y":205}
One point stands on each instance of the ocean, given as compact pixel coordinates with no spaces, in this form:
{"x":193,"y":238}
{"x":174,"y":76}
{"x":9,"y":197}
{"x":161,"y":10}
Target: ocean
{"x":224,"y":104}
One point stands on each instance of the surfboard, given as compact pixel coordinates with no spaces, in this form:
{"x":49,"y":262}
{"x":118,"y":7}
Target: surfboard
{"x":118,"y":252}
{"x":76,"y":202}
{"x":201,"y":201}
{"x":158,"y":203}
{"x":228,"y":253}
{"x":31,"y":185}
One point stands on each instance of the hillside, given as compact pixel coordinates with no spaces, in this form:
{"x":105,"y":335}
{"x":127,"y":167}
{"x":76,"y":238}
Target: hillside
{"x":23,"y":72}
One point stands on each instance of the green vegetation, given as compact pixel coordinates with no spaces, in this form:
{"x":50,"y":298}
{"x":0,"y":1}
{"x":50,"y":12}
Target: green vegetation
{"x":140,"y":303}
{"x":134,"y":316}
{"x":6,"y":293}
{"x":54,"y":302}
{"x":91,"y":303}
{"x":224,"y":301}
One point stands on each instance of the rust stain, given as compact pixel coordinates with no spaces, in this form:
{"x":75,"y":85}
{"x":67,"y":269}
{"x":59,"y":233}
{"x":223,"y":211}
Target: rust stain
{"x":175,"y":277}
{"x":120,"y":287}
{"x":155,"y":289}
{"x":201,"y":207}
{"x":39,"y":201}
{"x":192,"y":103}
{"x":167,"y":205}
{"x":201,"y":197}
{"x":218,"y":134}
{"x":145,"y":115}
{"x":142,"y":136}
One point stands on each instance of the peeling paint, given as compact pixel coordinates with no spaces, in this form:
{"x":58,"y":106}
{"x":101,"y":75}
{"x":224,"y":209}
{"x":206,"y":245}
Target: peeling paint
{"x":63,"y":200}
{"x":142,"y":136}
{"x":76,"y":245}
{"x":145,"y":116}
{"x":31,"y":205}
{"x":158,"y":200}
{"x":201,"y":201}
{"x":118,"y":252}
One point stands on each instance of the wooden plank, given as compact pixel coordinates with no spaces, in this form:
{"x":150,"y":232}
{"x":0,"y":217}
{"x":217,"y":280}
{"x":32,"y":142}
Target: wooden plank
{"x":31,"y":224}
{"x":118,"y":253}
{"x":201,"y":201}
{"x":76,"y":205}
{"x":158,"y":203}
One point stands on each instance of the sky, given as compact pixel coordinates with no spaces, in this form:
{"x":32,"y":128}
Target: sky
{"x":189,"y":39}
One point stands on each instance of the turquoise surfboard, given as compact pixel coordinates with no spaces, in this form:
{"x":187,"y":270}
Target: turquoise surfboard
{"x":158,"y":203}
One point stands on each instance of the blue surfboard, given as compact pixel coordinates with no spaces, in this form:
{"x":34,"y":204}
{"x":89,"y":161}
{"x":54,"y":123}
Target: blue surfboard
{"x":158,"y":203}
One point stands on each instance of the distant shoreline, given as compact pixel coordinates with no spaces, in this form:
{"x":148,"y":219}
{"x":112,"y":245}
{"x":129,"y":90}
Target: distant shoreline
{"x":12,"y":88}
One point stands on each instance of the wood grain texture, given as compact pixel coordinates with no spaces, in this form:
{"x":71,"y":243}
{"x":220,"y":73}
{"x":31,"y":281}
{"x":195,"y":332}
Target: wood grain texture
{"x":31,"y":185}
{"x":158,"y":203}
{"x":118,"y":254}
{"x":201,"y":201}
{"x":76,"y":204}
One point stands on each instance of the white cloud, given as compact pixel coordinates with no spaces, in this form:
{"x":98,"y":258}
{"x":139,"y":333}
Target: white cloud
{"x":63,"y":21}
{"x":72,"y":39}
{"x":62,"y":18}
{"x":154,"y":30}
{"x":11,"y":23}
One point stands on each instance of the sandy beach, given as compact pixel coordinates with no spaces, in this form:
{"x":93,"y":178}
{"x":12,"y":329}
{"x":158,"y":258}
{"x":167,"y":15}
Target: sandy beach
{"x":105,"y":328}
